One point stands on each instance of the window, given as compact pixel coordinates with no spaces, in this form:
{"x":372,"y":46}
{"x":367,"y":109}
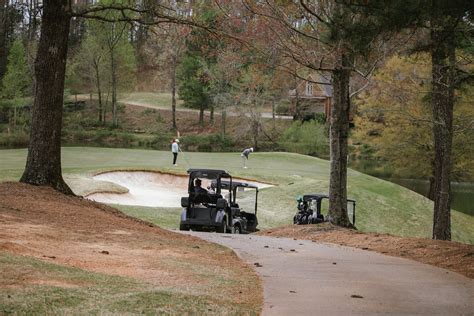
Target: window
{"x":309,"y":88}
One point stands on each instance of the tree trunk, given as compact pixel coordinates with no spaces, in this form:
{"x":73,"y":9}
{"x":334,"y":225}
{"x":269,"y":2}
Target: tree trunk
{"x":3,"y":36}
{"x":273,"y":113}
{"x":43,"y":164}
{"x":104,"y":116}
{"x":173,"y":91}
{"x":14,"y":118}
{"x":201,"y":115}
{"x":99,"y":91}
{"x":34,"y":23}
{"x":212,"y":114}
{"x":255,"y":137}
{"x":442,"y":102}
{"x":114,"y":88}
{"x":297,"y":114}
{"x":431,"y":190}
{"x":223,"y":118}
{"x":338,"y":134}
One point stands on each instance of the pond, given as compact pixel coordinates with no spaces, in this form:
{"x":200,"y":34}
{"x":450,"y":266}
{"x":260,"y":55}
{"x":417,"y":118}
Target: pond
{"x":462,"y":192}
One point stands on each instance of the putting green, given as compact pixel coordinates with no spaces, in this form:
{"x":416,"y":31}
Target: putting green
{"x":381,"y":206}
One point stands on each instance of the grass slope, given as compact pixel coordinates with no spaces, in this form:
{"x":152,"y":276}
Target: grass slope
{"x":53,"y":289}
{"x":381,"y":206}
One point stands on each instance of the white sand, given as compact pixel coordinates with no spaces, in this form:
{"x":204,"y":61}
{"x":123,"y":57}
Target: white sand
{"x":147,"y":188}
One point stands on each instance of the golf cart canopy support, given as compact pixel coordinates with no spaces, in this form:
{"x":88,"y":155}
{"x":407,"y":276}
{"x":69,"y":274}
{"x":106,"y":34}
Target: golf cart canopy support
{"x":208,"y":173}
{"x":233,"y":186}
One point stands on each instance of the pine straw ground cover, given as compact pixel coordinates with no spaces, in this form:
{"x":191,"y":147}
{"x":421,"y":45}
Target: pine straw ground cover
{"x":448,"y":255}
{"x":62,"y":254}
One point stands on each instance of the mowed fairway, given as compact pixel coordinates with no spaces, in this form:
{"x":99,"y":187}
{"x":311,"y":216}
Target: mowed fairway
{"x":381,"y":206}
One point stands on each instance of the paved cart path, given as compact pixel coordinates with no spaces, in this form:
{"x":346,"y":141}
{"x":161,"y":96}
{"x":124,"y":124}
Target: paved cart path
{"x":307,"y":278}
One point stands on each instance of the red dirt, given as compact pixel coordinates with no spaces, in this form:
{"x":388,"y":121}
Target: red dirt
{"x":448,"y":255}
{"x":45,"y":224}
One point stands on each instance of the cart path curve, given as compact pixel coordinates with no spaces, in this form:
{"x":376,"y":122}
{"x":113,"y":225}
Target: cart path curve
{"x":305,"y":278}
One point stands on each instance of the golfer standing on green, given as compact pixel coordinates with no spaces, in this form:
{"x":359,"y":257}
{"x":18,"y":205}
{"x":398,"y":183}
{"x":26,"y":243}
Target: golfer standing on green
{"x":174,"y":150}
{"x":245,"y":156}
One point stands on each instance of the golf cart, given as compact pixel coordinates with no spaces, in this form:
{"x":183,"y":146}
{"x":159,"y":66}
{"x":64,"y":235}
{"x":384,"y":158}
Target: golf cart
{"x":209,"y":210}
{"x":310,"y":208}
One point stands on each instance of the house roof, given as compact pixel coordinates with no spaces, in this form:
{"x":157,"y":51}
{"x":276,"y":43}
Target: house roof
{"x":326,"y":79}
{"x":322,"y":81}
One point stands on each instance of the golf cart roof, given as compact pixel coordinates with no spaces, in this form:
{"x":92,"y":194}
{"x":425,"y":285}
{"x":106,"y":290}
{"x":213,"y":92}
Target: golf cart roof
{"x":208,"y":173}
{"x":319,"y":196}
{"x":225,"y":185}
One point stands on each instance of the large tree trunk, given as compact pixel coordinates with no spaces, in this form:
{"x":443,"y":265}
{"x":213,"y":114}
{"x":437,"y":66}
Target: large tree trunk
{"x":43,"y":165}
{"x":338,"y":144}
{"x":442,"y":102}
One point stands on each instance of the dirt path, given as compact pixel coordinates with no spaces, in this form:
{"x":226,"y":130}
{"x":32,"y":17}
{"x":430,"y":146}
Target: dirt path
{"x":267,"y":115}
{"x":301,"y":277}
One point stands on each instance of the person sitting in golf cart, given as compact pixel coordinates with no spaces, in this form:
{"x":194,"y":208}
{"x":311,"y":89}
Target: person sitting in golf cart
{"x":201,"y":195}
{"x":197,"y":187}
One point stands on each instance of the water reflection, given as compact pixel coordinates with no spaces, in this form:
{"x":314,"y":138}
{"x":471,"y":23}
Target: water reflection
{"x":462,"y":193}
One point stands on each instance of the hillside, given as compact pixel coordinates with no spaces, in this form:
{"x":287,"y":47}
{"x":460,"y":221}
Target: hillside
{"x":62,"y":254}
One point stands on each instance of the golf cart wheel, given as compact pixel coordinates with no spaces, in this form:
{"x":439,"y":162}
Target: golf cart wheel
{"x":236,"y":229}
{"x":183,"y":227}
{"x":223,"y":226}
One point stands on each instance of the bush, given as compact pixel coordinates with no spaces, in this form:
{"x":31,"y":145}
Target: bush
{"x":14,"y":140}
{"x":309,"y":138}
{"x":283,"y":107}
{"x":160,"y":142}
{"x":103,"y":137}
{"x":207,"y":143}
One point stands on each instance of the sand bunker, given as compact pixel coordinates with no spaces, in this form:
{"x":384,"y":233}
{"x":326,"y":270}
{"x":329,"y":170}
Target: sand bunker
{"x":147,"y":188}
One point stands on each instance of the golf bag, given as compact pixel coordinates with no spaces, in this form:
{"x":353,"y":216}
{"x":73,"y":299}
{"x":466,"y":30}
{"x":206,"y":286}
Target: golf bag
{"x":305,"y":215}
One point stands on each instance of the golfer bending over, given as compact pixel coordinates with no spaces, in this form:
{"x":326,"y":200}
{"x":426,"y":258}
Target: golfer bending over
{"x":245,"y":156}
{"x":174,"y":150}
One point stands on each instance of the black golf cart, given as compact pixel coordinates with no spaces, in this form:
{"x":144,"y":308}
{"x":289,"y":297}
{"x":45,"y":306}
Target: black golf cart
{"x":312,"y":206}
{"x":216,"y":209}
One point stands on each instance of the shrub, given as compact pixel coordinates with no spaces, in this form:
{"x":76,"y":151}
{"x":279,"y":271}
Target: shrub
{"x":283,"y":107}
{"x":207,"y":143}
{"x":14,"y":140}
{"x":309,"y":138}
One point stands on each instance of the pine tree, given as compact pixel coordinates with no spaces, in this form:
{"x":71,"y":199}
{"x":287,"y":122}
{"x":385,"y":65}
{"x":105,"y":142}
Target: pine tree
{"x":194,"y":72}
{"x":17,"y":80}
{"x":445,"y":25}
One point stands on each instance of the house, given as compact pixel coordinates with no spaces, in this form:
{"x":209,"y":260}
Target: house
{"x":312,"y":96}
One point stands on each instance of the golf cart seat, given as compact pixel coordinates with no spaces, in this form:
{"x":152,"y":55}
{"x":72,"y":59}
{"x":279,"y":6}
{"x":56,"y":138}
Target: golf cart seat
{"x":214,"y":197}
{"x":201,"y":198}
